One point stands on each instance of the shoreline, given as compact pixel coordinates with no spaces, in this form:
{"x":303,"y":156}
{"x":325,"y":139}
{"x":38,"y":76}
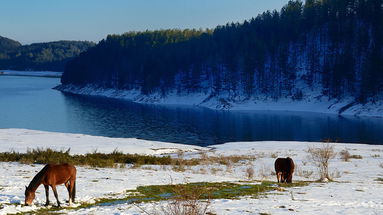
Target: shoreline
{"x":345,"y":107}
{"x":47,"y":74}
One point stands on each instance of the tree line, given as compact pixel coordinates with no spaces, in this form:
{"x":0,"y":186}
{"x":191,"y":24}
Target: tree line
{"x":331,"y":45}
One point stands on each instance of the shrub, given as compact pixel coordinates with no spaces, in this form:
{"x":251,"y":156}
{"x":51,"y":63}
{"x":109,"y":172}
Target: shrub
{"x":321,"y":157}
{"x":187,"y":201}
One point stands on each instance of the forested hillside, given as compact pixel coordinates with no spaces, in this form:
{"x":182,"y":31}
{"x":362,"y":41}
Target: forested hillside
{"x":50,"y":56}
{"x":331,"y":46}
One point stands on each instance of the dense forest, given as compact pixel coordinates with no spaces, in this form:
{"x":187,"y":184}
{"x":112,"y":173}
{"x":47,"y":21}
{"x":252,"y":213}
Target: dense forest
{"x":334,"y":46}
{"x":51,"y":56}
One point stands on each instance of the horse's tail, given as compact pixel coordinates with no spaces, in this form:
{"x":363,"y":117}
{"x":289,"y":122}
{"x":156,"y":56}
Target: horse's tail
{"x":291,"y":164}
{"x":290,"y":169}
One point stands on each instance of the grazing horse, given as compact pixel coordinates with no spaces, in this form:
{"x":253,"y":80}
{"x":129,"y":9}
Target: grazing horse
{"x":284,"y":168}
{"x":52,"y":175}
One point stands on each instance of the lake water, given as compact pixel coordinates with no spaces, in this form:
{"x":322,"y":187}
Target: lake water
{"x":29,"y":102}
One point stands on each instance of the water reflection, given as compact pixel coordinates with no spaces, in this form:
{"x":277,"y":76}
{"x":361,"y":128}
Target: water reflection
{"x":29,"y":102}
{"x":194,"y":125}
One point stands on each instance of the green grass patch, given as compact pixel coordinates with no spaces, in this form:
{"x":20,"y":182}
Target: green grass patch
{"x":202,"y":190}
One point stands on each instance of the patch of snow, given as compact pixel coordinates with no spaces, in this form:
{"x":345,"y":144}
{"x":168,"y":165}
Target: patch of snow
{"x":20,"y":140}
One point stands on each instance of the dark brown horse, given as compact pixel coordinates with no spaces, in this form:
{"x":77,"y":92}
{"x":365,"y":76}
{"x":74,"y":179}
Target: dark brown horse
{"x":284,"y":168}
{"x":52,"y":175}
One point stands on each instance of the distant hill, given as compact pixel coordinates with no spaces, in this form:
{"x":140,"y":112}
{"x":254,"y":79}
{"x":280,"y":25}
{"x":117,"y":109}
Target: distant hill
{"x":50,"y":56}
{"x":8,"y":44}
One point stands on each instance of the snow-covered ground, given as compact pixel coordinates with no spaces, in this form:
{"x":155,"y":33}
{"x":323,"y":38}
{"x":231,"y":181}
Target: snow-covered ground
{"x":312,"y":102}
{"x":31,"y":73}
{"x":20,"y":140}
{"x":356,"y":190}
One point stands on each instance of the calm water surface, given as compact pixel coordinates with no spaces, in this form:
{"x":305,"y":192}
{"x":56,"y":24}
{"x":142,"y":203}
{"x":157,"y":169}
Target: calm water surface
{"x":29,"y":102}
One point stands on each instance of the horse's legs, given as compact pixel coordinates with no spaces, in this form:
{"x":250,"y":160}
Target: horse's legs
{"x":55,"y":192}
{"x":279,"y":176}
{"x":289,"y":178}
{"x":283,"y":178}
{"x":46,"y":194}
{"x":69,"y":186}
{"x":72,"y":189}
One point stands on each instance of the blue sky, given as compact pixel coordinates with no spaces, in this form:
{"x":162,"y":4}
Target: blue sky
{"x":31,"y":21}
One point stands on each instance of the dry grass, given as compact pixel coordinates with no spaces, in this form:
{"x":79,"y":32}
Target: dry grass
{"x":273,"y":155}
{"x":356,"y":157}
{"x":94,"y":159}
{"x":250,"y":172}
{"x":345,"y":155}
{"x":118,"y":159}
{"x":214,"y":170}
{"x":202,"y":171}
{"x":223,"y":160}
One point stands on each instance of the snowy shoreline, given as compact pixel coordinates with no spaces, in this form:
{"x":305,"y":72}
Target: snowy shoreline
{"x":31,"y":73}
{"x":356,"y":190}
{"x":314,"y":103}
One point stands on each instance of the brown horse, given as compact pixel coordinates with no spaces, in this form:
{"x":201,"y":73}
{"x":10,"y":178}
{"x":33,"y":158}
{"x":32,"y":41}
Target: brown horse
{"x":284,"y":168}
{"x":52,"y":175}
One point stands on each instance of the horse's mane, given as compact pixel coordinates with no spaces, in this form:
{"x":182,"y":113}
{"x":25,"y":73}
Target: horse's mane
{"x":36,"y":181}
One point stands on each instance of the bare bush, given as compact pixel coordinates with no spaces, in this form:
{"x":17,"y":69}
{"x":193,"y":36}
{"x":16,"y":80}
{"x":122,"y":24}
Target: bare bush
{"x":345,"y":155}
{"x":250,"y":172}
{"x":203,"y":155}
{"x":186,"y":200}
{"x":321,"y":157}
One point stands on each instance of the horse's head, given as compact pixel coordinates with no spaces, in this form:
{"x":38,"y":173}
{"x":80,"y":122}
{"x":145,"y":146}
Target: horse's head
{"x":29,"y":196}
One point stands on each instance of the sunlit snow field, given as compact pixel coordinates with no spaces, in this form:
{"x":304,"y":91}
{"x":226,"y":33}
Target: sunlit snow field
{"x":356,"y":190}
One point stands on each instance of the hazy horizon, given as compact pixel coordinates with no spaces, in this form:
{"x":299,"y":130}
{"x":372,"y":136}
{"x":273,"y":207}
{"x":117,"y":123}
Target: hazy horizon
{"x":92,"y":20}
